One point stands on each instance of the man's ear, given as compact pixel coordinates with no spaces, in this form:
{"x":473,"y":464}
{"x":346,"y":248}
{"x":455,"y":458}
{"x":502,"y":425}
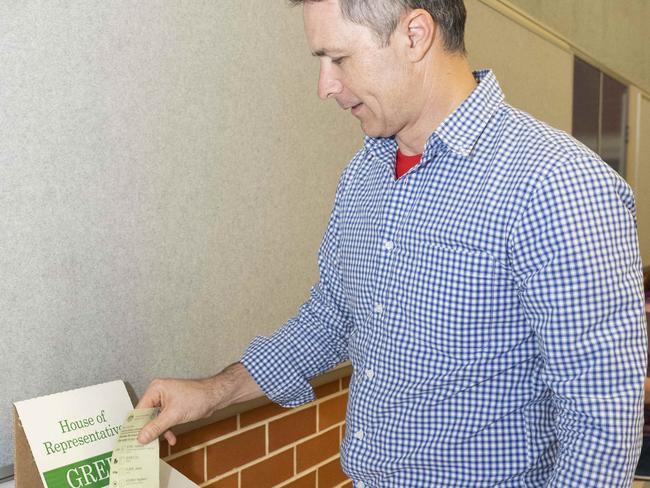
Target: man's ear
{"x":420,"y":30}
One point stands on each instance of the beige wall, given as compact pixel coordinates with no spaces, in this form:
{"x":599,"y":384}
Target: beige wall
{"x":614,"y":32}
{"x":536,"y":76}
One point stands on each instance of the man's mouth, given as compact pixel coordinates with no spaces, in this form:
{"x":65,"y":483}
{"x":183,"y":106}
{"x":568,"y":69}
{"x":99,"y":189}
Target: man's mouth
{"x":355,"y":108}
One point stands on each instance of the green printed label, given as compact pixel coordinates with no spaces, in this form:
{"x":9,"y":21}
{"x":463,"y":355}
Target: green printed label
{"x":93,"y":472}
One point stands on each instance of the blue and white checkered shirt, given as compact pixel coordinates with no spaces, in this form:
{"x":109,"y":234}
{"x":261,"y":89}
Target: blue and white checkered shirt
{"x":491,"y":304}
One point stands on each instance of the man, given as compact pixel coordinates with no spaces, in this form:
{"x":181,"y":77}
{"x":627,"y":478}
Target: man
{"x":480,"y":270}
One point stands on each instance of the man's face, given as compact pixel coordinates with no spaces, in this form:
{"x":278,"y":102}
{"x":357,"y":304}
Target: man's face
{"x":370,"y":80}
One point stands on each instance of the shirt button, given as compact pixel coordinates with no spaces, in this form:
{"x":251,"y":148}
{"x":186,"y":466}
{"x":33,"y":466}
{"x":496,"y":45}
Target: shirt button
{"x":379,"y":308}
{"x":389,"y":245}
{"x":359,"y":434}
{"x":370,"y":374}
{"x":360,"y":484}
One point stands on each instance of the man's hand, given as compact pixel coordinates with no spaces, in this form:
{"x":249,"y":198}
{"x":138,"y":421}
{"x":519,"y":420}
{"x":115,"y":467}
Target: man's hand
{"x":182,"y":401}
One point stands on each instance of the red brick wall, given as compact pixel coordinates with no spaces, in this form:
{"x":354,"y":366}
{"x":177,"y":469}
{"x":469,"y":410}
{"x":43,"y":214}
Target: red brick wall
{"x":269,"y":446}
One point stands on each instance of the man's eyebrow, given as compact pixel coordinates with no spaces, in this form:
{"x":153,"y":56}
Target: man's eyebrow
{"x":325,"y":52}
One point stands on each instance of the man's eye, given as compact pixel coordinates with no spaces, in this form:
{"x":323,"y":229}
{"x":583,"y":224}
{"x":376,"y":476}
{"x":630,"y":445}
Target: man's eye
{"x":337,"y":61}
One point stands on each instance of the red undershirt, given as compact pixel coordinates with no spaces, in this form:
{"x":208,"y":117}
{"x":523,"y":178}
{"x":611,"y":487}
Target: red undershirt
{"x":404,"y":163}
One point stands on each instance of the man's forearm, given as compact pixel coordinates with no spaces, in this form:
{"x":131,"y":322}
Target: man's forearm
{"x":182,"y":401}
{"x":234,"y":385}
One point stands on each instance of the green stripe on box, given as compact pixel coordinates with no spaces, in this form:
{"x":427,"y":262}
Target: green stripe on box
{"x":89,"y":473}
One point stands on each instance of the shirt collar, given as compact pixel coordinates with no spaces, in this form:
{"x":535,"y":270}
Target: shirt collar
{"x":461,"y":129}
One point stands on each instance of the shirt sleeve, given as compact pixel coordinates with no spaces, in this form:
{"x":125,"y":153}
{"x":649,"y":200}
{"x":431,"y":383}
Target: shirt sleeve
{"x":313,"y":341}
{"x":574,"y":252}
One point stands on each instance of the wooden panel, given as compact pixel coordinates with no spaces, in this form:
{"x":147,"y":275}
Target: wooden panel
{"x":641,"y":152}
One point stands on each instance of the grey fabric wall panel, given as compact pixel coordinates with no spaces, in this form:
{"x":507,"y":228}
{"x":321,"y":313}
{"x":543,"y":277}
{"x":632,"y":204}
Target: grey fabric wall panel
{"x":167,"y":172}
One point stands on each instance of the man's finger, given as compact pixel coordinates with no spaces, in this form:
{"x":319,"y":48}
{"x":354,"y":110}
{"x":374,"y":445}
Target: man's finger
{"x":150,"y":399}
{"x":150,"y":431}
{"x":171,"y":438}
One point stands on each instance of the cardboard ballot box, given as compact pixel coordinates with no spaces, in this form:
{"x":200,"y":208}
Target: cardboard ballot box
{"x":66,"y":440}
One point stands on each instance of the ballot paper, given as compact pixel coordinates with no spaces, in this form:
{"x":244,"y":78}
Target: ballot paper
{"x":134,"y":465}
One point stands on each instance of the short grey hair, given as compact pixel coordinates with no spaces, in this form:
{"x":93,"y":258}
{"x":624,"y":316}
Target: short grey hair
{"x":382,"y":17}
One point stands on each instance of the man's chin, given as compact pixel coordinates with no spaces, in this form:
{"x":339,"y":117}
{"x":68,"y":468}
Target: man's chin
{"x":374,"y":131}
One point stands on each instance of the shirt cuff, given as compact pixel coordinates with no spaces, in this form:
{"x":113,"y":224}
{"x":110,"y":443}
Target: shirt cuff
{"x":276,"y":376}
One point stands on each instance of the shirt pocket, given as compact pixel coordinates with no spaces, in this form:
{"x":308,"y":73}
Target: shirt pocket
{"x":450,"y":304}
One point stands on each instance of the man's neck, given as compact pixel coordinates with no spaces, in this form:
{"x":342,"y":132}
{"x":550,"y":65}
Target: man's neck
{"x":448,"y":88}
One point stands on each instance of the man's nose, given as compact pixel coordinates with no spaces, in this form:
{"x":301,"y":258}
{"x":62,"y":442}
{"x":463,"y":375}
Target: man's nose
{"x":328,"y":85}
